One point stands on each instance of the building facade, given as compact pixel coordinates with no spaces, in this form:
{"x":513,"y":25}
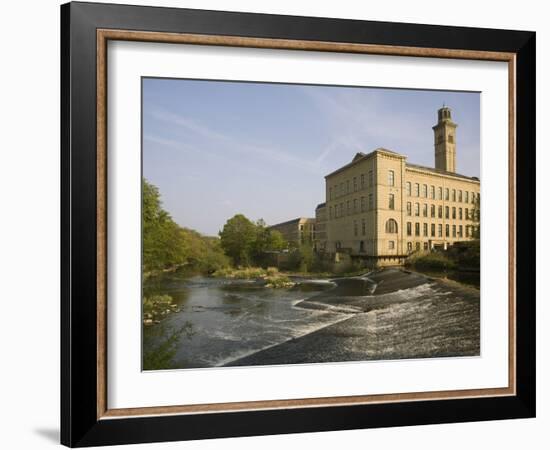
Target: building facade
{"x":320,"y":228}
{"x":297,"y":231}
{"x":381,"y":207}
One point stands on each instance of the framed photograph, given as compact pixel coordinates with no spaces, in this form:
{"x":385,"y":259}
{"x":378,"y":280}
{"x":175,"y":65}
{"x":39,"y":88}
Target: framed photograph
{"x":277,"y":224}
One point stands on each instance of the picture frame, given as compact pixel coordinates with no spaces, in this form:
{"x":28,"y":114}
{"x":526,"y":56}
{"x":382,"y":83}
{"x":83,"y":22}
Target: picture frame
{"x":86,"y":418}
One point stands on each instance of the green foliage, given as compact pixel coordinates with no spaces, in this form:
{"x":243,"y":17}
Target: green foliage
{"x":237,"y":239}
{"x":246,"y":242}
{"x":166,"y":245}
{"x":434,"y":260}
{"x":466,"y":254}
{"x":162,"y":355}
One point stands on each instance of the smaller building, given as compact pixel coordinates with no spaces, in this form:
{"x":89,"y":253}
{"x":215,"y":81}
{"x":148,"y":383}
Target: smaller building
{"x":296,"y":231}
{"x":320,"y":235}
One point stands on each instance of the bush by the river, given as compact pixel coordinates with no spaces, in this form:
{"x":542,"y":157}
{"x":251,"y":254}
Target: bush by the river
{"x":433,"y":260}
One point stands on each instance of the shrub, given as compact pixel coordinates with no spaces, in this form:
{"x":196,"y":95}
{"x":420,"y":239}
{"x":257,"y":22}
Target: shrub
{"x":436,"y":261}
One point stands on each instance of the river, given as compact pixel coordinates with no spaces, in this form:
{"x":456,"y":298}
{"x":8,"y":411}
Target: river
{"x":391,"y":314}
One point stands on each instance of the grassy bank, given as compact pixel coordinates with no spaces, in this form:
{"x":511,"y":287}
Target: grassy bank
{"x":272,"y":277}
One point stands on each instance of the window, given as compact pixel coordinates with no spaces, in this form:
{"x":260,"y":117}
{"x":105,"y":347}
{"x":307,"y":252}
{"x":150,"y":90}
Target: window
{"x":362,"y":181}
{"x":460,"y":231}
{"x":417,"y":229}
{"x":473,"y":197}
{"x":440,"y":211}
{"x":425,"y":246}
{"x":425,"y":229}
{"x":454,"y":230}
{"x":417,"y":209}
{"x":466,"y":213}
{"x":466,"y":199}
{"x":417,"y":190}
{"x":409,"y":229}
{"x":447,"y":230}
{"x":425,"y":190}
{"x":330,"y":212}
{"x":330,"y":193}
{"x":391,"y":245}
{"x":451,"y":138}
{"x":370,"y":178}
{"x":454,"y":195}
{"x":425,"y":210}
{"x":355,"y":227}
{"x":391,"y":202}
{"x":440,"y":230}
{"x":460,"y":196}
{"x":454,"y":212}
{"x":409,"y":188}
{"x":371,"y":202}
{"x":409,"y":246}
{"x":409,"y":209}
{"x":432,"y":211}
{"x":341,"y":209}
{"x":363,"y":227}
{"x":417,"y":246}
{"x":440,"y":193}
{"x":460,"y":213}
{"x":354,"y":205}
{"x":342,"y":188}
{"x":467,"y":230}
{"x":446,"y":193}
{"x":391,"y":178}
{"x":446,"y":212}
{"x":362,"y":204}
{"x":354,"y":184}
{"x":433,"y":230}
{"x":391,"y":226}
{"x":347,"y":187}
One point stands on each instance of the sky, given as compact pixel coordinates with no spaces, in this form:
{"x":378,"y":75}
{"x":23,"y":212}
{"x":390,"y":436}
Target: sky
{"x":218,"y":148}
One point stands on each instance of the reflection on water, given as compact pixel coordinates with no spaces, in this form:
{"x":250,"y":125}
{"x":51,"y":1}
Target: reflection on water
{"x":231,"y":321}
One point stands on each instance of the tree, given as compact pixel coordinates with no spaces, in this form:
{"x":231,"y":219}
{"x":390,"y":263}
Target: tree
{"x":163,"y":243}
{"x":237,"y":239}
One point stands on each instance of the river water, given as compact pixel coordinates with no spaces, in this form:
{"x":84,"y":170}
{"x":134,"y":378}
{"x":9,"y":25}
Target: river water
{"x":232,"y":322}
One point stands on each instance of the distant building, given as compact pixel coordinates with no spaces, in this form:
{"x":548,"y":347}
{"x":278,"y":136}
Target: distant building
{"x":320,"y":234}
{"x":383,"y":208}
{"x":297,"y":231}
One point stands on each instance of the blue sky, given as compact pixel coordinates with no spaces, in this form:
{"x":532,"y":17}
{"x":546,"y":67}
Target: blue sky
{"x":217,"y":148}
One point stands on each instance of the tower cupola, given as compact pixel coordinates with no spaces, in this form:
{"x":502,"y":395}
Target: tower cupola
{"x":445,"y":141}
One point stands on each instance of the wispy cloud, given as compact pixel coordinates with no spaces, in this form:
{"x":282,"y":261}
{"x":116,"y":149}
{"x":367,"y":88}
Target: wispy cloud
{"x":218,"y":139}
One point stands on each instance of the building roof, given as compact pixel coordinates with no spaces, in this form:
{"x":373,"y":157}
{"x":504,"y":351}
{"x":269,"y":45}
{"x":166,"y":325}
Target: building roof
{"x":321,"y":205}
{"x":360,"y":156}
{"x":290,"y":222}
{"x":441,"y":172}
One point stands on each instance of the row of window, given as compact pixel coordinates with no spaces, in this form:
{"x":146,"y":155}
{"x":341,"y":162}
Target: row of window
{"x":453,"y":195}
{"x":469,"y":214}
{"x":357,"y":183}
{"x":450,"y":231}
{"x":363,"y":204}
{"x":351,"y":207}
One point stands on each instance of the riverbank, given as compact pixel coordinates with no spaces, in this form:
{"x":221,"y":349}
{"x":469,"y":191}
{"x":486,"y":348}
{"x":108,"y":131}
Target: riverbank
{"x":391,"y":314}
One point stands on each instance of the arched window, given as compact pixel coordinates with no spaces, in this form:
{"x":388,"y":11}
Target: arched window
{"x":391,"y":226}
